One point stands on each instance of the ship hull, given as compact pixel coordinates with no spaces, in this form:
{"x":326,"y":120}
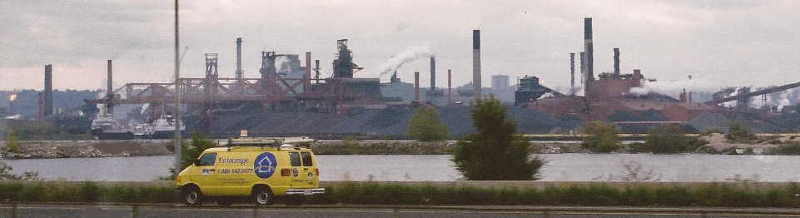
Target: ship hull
{"x":164,"y":134}
{"x":104,"y":135}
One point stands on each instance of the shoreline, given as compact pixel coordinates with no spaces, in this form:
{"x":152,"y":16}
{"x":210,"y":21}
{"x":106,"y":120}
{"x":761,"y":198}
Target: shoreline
{"x":54,"y":149}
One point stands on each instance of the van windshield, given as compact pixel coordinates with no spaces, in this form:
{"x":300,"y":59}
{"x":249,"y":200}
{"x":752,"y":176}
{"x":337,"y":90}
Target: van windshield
{"x":207,"y":159}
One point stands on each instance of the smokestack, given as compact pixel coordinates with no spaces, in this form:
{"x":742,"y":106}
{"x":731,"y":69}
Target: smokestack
{"x":307,"y":76}
{"x":616,"y":61}
{"x":589,"y":49}
{"x":476,"y":62}
{"x":416,"y":86}
{"x":449,"y":86}
{"x":583,"y":71}
{"x":239,"y":73}
{"x":48,"y":90}
{"x":433,"y":74}
{"x":316,"y":70}
{"x":637,"y":77}
{"x":572,"y":73}
{"x":109,"y":87}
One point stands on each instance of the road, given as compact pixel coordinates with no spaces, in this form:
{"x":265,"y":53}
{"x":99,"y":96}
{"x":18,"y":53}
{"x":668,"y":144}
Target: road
{"x":168,"y":210}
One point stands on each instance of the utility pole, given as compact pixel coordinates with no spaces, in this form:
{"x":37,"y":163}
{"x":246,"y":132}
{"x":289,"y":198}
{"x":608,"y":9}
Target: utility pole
{"x":178,"y":138}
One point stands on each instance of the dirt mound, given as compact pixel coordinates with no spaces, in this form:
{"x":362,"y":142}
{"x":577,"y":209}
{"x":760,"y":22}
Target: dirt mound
{"x":377,"y":123}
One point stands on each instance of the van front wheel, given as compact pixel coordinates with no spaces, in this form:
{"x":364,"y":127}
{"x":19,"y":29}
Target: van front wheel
{"x":192,"y":196}
{"x":262,"y":196}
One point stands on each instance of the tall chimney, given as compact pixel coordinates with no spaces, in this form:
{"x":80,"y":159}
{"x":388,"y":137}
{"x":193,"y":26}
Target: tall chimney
{"x":583,"y":71}
{"x":109,"y":88}
{"x":433,"y":74}
{"x":449,"y":86}
{"x":48,"y":90}
{"x":476,"y":62}
{"x":316,"y":70}
{"x":307,"y":76}
{"x":589,"y":49}
{"x":637,"y":77}
{"x":416,"y":86}
{"x":616,"y":61}
{"x":239,"y":73}
{"x":572,"y":73}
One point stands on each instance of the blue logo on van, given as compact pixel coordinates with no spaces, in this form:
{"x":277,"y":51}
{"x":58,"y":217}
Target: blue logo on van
{"x":265,"y":165}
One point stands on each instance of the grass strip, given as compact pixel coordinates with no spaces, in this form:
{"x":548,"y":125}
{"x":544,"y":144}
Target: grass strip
{"x":594,"y":194}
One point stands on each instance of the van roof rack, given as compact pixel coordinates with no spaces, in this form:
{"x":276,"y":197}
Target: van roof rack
{"x":270,"y":141}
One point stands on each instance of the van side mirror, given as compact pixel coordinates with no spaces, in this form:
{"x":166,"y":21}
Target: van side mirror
{"x":196,"y":162}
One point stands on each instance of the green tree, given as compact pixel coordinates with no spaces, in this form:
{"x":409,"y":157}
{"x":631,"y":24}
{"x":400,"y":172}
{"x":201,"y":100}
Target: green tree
{"x":426,"y":126}
{"x":12,"y":143}
{"x":495,"y":152}
{"x":190,"y":152}
{"x":602,"y":137}
{"x":739,"y":133}
{"x":668,"y":139}
{"x":199,"y":144}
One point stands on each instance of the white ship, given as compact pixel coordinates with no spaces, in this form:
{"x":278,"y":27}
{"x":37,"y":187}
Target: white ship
{"x":164,"y":127}
{"x":105,"y":127}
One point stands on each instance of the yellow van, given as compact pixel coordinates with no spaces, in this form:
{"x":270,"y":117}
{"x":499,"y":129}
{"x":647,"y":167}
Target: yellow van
{"x":258,"y":168}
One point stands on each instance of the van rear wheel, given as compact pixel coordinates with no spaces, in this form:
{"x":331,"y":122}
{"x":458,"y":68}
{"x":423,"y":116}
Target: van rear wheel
{"x":192,"y":196}
{"x":262,"y":196}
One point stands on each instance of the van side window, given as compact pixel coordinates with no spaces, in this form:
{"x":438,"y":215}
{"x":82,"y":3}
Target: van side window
{"x":207,"y":159}
{"x":307,"y":162}
{"x":294,"y":158}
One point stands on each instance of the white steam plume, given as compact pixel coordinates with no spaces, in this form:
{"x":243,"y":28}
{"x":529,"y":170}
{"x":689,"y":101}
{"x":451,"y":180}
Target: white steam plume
{"x":675,"y":87}
{"x":777,"y":99}
{"x":732,"y":104}
{"x":408,"y":55}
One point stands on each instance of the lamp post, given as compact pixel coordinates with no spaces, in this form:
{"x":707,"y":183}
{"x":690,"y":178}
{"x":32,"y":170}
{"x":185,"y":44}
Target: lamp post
{"x":178,"y":92}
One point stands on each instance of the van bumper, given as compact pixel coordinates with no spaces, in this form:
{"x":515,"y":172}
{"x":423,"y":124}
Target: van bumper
{"x":310,"y":191}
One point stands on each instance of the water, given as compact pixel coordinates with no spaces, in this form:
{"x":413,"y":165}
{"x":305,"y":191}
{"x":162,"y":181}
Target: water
{"x":559,"y":167}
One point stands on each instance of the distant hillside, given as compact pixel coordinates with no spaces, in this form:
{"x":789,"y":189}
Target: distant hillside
{"x":27,"y":100}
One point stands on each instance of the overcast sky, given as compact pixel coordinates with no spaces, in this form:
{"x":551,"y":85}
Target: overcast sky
{"x":726,"y":42}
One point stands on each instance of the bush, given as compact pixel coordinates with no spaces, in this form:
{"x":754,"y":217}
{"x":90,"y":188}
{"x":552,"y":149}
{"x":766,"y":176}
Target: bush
{"x":787,"y":149}
{"x":602,"y":137}
{"x":740,"y":133}
{"x":495,"y":152}
{"x":12,"y":143}
{"x":669,"y":139}
{"x":190,"y":152}
{"x":426,"y":126}
{"x":199,"y":144}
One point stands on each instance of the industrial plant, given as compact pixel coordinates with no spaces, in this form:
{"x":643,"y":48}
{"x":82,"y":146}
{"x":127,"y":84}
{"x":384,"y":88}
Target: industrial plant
{"x":292,"y":98}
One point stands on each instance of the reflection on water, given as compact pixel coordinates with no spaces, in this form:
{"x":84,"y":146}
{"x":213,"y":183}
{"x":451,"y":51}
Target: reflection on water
{"x":559,"y":167}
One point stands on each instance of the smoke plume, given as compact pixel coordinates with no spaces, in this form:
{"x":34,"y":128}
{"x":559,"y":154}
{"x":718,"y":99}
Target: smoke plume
{"x":779,"y":100}
{"x":675,"y":87}
{"x":407,"y":56}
